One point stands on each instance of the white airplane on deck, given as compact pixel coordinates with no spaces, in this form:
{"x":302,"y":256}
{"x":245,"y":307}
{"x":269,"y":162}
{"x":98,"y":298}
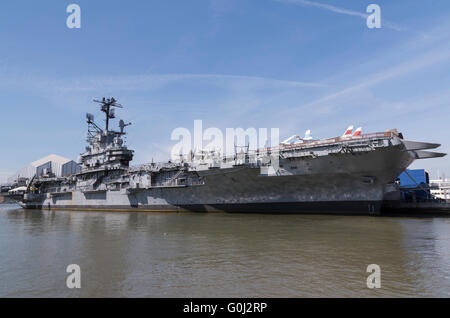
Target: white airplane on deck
{"x":296,"y":139}
{"x":349,"y":132}
{"x":357,"y":132}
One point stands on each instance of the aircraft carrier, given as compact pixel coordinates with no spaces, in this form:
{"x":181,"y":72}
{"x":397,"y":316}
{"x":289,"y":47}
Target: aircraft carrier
{"x":348,"y":174}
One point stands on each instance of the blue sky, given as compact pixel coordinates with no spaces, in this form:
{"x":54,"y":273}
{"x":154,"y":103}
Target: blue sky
{"x":292,"y":64}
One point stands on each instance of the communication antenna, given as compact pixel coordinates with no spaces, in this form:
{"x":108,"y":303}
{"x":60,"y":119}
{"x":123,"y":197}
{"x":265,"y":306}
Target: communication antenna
{"x":122,"y":125}
{"x":107,"y":105}
{"x":92,"y":127}
{"x":181,"y":156}
{"x":90,"y":118}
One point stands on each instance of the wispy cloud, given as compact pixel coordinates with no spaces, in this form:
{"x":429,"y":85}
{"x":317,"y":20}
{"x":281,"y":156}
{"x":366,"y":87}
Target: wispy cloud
{"x":142,"y":82}
{"x":238,"y":93}
{"x":357,"y":102}
{"x":329,"y":7}
{"x":408,"y":66}
{"x":363,"y":93}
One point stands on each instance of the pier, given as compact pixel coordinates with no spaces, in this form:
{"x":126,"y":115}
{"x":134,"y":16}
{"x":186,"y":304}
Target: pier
{"x":401,"y":208}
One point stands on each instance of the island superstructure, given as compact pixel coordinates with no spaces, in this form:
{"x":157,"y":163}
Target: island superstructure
{"x":347,"y":174}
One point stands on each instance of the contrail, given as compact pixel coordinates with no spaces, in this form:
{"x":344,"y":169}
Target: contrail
{"x":328,"y":7}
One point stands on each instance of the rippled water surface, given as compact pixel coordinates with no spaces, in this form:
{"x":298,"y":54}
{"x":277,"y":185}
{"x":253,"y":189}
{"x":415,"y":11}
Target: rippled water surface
{"x":220,"y":255}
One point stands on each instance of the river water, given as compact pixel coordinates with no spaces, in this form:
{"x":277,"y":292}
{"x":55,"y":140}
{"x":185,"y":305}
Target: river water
{"x":220,"y":255}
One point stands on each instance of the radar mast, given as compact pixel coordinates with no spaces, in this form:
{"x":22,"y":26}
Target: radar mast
{"x":107,"y":106}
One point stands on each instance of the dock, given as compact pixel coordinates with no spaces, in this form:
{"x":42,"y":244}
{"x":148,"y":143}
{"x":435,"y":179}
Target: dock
{"x":401,"y":208}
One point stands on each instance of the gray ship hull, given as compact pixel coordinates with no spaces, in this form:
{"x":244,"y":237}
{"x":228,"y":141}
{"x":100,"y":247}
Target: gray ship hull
{"x":330,"y":207}
{"x":346,"y":184}
{"x":345,"y":175}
